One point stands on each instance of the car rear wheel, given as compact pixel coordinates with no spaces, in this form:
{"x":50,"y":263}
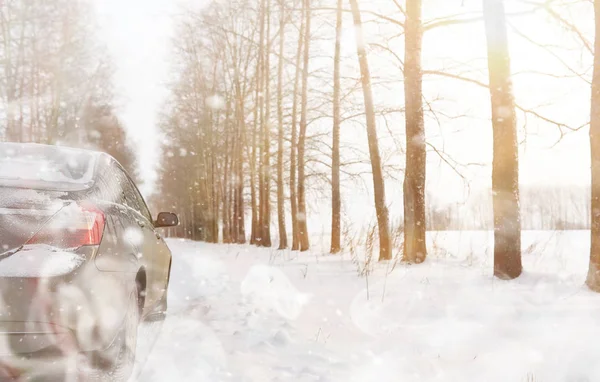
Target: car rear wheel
{"x":116,"y":363}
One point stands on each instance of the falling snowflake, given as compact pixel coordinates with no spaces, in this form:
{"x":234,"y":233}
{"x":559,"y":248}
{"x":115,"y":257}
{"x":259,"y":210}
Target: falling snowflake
{"x":503,"y":112}
{"x":419,"y":139}
{"x":215,"y":102}
{"x":95,"y":134}
{"x":134,"y":236}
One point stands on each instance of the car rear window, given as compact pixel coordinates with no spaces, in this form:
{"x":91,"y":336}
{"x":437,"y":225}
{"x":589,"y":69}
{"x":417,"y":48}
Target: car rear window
{"x":46,"y":167}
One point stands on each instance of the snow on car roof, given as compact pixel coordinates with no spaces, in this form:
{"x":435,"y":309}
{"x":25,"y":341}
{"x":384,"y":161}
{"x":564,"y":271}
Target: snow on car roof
{"x":36,"y":166}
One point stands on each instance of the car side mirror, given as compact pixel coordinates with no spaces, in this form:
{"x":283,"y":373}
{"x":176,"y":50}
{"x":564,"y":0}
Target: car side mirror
{"x":166,"y":219}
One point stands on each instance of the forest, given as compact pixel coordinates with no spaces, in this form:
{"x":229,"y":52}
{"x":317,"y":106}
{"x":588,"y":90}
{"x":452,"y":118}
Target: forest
{"x":344,"y":110}
{"x":56,"y":79}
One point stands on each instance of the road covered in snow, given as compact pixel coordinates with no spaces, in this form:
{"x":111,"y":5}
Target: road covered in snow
{"x":239,"y":313}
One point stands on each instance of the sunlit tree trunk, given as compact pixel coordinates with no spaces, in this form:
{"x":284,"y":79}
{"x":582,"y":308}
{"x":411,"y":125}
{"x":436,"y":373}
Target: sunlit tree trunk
{"x":505,"y":166}
{"x":265,"y":171}
{"x":213,"y":189}
{"x":415,"y":226}
{"x":216,"y":201}
{"x":302,"y":218}
{"x":239,"y":210}
{"x":378,"y":182}
{"x":336,"y":201}
{"x":258,"y":121}
{"x":294,"y":138}
{"x":280,"y":187}
{"x":225,"y":182}
{"x":593,"y":277}
{"x":254,"y":235}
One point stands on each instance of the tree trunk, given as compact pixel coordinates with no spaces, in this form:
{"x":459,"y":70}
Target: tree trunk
{"x":280,"y":194}
{"x":258,"y":120}
{"x":505,"y":166}
{"x":378,"y":182}
{"x":336,"y":199}
{"x":593,"y":277}
{"x":226,"y":182}
{"x":415,"y":227}
{"x":240,"y":212}
{"x":225,"y":215}
{"x":238,"y":216}
{"x":265,"y":171}
{"x":216,"y":201}
{"x":213,"y":192}
{"x":294,"y":146}
{"x":302,"y":218}
{"x":254,"y":235}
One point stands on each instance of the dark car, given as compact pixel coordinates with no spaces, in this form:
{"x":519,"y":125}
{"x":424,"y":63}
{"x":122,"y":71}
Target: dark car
{"x":81,"y":264}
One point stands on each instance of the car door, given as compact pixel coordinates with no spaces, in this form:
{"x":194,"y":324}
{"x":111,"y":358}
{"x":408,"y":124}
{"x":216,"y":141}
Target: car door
{"x":161,"y":252}
{"x":153,"y":252}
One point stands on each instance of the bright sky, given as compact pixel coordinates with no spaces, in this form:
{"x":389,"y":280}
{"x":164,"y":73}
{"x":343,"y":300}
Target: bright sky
{"x":138,"y":34}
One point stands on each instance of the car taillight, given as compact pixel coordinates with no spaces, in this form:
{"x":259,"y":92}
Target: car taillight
{"x":73,"y":227}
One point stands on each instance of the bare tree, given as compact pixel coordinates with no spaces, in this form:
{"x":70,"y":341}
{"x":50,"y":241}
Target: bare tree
{"x":258,"y":127}
{"x":280,"y":187}
{"x":239,"y":230}
{"x":378,"y":182}
{"x":415,"y":249}
{"x":505,"y":166}
{"x":593,"y":277}
{"x":294,"y":138}
{"x":265,"y":168}
{"x":104,"y":132}
{"x":52,"y":71}
{"x":336,"y":199}
{"x":302,"y":218}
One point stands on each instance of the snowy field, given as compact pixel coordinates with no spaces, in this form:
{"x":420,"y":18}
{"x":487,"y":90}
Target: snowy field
{"x":238,"y":313}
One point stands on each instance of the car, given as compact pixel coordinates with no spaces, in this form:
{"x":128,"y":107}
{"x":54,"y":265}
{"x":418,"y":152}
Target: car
{"x":82,"y":263}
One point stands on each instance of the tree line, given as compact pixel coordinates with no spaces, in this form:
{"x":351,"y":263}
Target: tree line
{"x":264,"y":86}
{"x":56,"y":78}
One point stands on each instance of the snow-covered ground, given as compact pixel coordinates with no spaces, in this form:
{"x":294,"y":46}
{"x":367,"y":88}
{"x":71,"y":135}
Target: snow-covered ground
{"x":239,"y":313}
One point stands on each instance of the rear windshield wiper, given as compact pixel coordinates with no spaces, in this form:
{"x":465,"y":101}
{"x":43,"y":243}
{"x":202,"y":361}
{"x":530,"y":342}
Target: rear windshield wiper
{"x":8,"y":254}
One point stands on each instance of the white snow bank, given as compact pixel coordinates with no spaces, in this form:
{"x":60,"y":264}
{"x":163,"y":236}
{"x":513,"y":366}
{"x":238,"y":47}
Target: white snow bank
{"x":187,"y":350}
{"x":268,"y":288}
{"x":445,"y":320}
{"x":195,"y":277}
